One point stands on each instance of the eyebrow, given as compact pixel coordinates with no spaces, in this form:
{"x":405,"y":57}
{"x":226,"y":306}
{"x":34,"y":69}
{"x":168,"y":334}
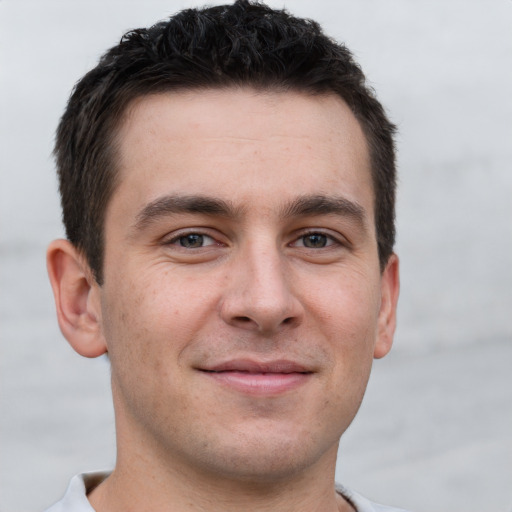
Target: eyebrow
{"x":177,"y":204}
{"x":308,"y":205}
{"x":313,"y":205}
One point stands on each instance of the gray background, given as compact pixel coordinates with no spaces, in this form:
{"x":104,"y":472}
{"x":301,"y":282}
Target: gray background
{"x":435,"y":430}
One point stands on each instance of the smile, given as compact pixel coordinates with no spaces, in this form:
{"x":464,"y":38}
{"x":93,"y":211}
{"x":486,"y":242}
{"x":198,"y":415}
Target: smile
{"x":255,"y":378}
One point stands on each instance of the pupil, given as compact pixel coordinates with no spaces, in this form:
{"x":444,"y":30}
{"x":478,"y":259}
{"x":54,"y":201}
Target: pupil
{"x":315,"y":241}
{"x":191,"y":241}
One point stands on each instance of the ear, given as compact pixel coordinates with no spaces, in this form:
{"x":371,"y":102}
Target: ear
{"x":390,"y":287}
{"x":77,"y":298}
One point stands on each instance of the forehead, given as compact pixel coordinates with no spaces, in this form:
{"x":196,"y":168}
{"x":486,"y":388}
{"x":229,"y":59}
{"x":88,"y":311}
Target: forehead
{"x":236,"y":141}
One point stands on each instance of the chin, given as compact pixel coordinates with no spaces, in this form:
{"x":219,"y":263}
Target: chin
{"x":264,"y":460}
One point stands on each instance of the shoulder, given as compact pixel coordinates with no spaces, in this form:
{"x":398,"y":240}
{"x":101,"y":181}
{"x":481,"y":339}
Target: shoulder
{"x":362,"y":504}
{"x":75,"y":498}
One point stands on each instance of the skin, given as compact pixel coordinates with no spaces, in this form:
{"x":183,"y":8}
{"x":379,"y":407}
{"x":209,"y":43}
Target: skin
{"x":219,"y":250}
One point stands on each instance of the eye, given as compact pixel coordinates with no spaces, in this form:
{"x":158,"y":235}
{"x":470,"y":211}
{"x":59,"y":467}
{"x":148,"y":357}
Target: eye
{"x":193,"y":241}
{"x":314,"y":241}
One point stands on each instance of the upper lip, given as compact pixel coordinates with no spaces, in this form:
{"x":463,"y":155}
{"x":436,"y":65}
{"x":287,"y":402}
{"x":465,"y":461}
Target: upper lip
{"x":251,"y":366}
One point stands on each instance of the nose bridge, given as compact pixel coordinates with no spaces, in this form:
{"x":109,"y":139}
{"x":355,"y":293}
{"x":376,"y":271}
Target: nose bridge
{"x":260,"y":296}
{"x":267,"y":275}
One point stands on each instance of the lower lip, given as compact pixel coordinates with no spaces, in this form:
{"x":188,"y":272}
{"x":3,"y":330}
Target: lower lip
{"x":260,"y":383}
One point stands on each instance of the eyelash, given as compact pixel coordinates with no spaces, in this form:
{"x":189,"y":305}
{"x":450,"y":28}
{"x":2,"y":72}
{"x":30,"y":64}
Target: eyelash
{"x":330,"y":239}
{"x":176,"y":239}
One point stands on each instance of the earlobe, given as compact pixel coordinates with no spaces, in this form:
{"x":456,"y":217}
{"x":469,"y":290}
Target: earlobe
{"x":390,"y":288}
{"x":76,"y":296}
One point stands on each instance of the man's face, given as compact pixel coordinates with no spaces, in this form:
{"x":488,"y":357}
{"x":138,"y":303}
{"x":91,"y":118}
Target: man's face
{"x":242,"y":301}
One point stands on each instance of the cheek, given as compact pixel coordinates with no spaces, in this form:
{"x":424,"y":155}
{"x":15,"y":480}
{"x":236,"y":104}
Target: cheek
{"x":347,"y":311}
{"x":153,"y":315}
{"x":148,"y":323}
{"x":347,"y":316}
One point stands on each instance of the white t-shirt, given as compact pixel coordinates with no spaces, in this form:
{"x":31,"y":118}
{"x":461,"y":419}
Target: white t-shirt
{"x":75,"y":499}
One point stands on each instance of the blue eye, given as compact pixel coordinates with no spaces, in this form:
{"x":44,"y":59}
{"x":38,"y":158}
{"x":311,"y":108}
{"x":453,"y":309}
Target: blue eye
{"x":315,"y":240}
{"x":194,"y":241}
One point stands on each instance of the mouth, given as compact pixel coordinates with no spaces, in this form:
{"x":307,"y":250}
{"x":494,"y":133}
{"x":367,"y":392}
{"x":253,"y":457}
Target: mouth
{"x":259,"y":378}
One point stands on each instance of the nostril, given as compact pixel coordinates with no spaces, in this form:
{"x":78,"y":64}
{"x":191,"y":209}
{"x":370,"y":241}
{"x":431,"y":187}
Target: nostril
{"x":247,"y":320}
{"x":243,"y":319}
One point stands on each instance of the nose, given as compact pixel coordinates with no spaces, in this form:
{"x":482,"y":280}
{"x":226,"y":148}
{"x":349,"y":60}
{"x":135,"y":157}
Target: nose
{"x":260,"y":296}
